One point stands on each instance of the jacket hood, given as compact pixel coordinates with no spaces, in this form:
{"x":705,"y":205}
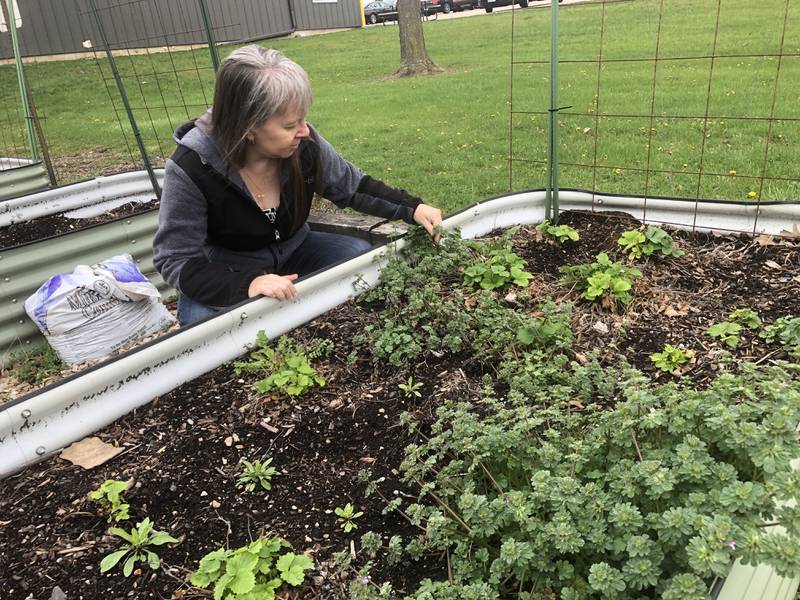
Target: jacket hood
{"x":196,"y":135}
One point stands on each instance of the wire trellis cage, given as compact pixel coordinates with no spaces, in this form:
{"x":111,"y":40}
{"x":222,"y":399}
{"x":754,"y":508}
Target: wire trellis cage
{"x":690,"y":99}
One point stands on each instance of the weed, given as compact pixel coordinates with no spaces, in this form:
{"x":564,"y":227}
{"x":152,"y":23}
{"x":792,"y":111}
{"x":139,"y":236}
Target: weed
{"x":347,"y":517}
{"x":136,"y":547}
{"x":36,"y":366}
{"x":411,"y":388}
{"x":502,"y":268}
{"x":109,"y":497}
{"x":288,"y":365}
{"x":745,"y":317}
{"x":256,"y":473}
{"x":671,"y":358}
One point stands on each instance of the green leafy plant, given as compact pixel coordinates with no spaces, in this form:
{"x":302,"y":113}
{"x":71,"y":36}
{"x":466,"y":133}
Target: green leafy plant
{"x":785,"y":330}
{"x":602,"y":279}
{"x":727,"y":332}
{"x":109,"y":497}
{"x":347,"y":517}
{"x":658,"y":494}
{"x":136,"y":547}
{"x":251,"y":572}
{"x":671,"y":358}
{"x":560,"y":233}
{"x":288,"y":365}
{"x":502,"y":268}
{"x":411,"y":388}
{"x":371,"y":542}
{"x":745,"y":317}
{"x":647,"y":242}
{"x":256,"y":473}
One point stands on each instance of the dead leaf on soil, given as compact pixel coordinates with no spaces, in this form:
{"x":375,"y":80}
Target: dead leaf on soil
{"x":367,"y":459}
{"x":90,"y":452}
{"x":679,"y":310}
{"x":766,"y":240}
{"x":773,"y":265}
{"x":794,"y":233}
{"x":335,"y":403}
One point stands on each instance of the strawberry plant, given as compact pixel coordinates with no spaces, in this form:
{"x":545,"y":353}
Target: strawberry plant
{"x":288,"y":365}
{"x":785,"y":330}
{"x":602,"y":279}
{"x":727,"y":332}
{"x":502,"y":268}
{"x":251,"y":572}
{"x":559,"y":233}
{"x":671,"y":358}
{"x":256,"y":473}
{"x":647,"y":242}
{"x":745,"y":317}
{"x":136,"y":547}
{"x":109,"y":497}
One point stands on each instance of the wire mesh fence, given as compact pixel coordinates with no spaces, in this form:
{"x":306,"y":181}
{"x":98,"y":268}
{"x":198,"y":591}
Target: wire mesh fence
{"x":694,"y":99}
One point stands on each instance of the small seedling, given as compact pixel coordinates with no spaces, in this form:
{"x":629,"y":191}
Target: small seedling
{"x":727,"y":332}
{"x":559,"y":233}
{"x":652,"y":240}
{"x":671,"y":358}
{"x":411,"y":388}
{"x":109,"y":497}
{"x":250,"y":572}
{"x":745,"y":317}
{"x":255,"y":474}
{"x":347,"y":517}
{"x":136,"y":547}
{"x":371,"y":542}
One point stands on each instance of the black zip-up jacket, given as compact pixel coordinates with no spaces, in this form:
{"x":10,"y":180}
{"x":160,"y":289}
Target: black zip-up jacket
{"x":212,"y":237}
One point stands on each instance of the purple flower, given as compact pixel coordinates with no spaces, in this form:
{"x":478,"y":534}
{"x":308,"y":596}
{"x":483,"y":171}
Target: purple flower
{"x":364,"y":580}
{"x":730,"y":544}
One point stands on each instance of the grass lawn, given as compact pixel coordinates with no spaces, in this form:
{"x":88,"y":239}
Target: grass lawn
{"x":448,"y":137}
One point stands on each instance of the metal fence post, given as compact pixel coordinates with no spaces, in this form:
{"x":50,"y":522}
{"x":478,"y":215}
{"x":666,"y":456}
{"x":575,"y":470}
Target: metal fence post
{"x":551,"y":193}
{"x":209,"y":34}
{"x":124,"y":97}
{"x":12,"y":28}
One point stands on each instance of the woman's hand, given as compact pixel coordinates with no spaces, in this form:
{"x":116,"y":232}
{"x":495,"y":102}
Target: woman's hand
{"x":273,"y":286}
{"x":429,"y":217}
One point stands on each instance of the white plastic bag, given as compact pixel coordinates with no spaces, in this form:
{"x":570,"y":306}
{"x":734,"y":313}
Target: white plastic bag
{"x":95,"y":310}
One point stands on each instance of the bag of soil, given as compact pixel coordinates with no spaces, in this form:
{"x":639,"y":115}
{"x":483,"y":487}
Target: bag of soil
{"x":97,"y":309}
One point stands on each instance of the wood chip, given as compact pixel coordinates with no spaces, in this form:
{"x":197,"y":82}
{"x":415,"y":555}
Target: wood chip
{"x":773,"y":265}
{"x":90,"y":452}
{"x":229,"y":441}
{"x":263,"y":423}
{"x":367,"y":459}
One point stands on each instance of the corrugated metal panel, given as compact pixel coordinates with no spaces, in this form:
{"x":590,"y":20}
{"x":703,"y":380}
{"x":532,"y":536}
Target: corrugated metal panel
{"x":26,"y":179}
{"x":254,"y":19}
{"x":327,"y":15}
{"x":24,"y":268}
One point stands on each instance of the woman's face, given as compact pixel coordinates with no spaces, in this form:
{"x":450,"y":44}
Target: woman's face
{"x":280,"y":135}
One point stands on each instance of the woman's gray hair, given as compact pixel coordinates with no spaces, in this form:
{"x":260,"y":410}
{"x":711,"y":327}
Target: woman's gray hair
{"x":254,"y":84}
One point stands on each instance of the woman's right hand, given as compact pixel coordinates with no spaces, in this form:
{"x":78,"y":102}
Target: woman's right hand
{"x":273,"y":286}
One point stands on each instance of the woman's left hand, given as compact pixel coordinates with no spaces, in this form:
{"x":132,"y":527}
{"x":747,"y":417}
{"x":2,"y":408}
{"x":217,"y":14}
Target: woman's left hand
{"x":429,"y":217}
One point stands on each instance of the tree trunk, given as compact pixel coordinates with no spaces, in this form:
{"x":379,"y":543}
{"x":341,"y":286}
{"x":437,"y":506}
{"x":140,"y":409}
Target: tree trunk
{"x":414,"y":59}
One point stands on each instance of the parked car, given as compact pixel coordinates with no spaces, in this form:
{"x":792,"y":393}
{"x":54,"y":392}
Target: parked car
{"x":458,"y":5}
{"x":489,"y":5}
{"x":378,"y":11}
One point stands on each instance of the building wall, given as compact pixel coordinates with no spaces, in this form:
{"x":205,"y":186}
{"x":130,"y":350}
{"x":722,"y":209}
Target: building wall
{"x":58,"y":27}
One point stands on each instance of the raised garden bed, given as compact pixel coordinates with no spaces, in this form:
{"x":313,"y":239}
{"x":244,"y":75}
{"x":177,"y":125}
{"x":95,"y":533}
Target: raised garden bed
{"x":183,"y":450}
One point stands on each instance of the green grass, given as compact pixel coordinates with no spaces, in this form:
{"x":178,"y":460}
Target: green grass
{"x":446,"y":137}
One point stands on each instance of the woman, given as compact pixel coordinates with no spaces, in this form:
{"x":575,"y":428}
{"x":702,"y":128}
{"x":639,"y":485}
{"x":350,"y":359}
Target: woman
{"x":238,"y":190}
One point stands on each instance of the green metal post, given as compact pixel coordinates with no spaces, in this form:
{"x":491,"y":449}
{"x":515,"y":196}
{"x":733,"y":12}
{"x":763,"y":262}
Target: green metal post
{"x":136,"y":133}
{"x":12,"y":27}
{"x":212,"y":47}
{"x":551,"y":195}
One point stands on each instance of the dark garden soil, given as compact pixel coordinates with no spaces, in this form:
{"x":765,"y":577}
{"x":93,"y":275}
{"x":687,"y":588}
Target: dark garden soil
{"x":49,"y":226}
{"x":182,"y":450}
